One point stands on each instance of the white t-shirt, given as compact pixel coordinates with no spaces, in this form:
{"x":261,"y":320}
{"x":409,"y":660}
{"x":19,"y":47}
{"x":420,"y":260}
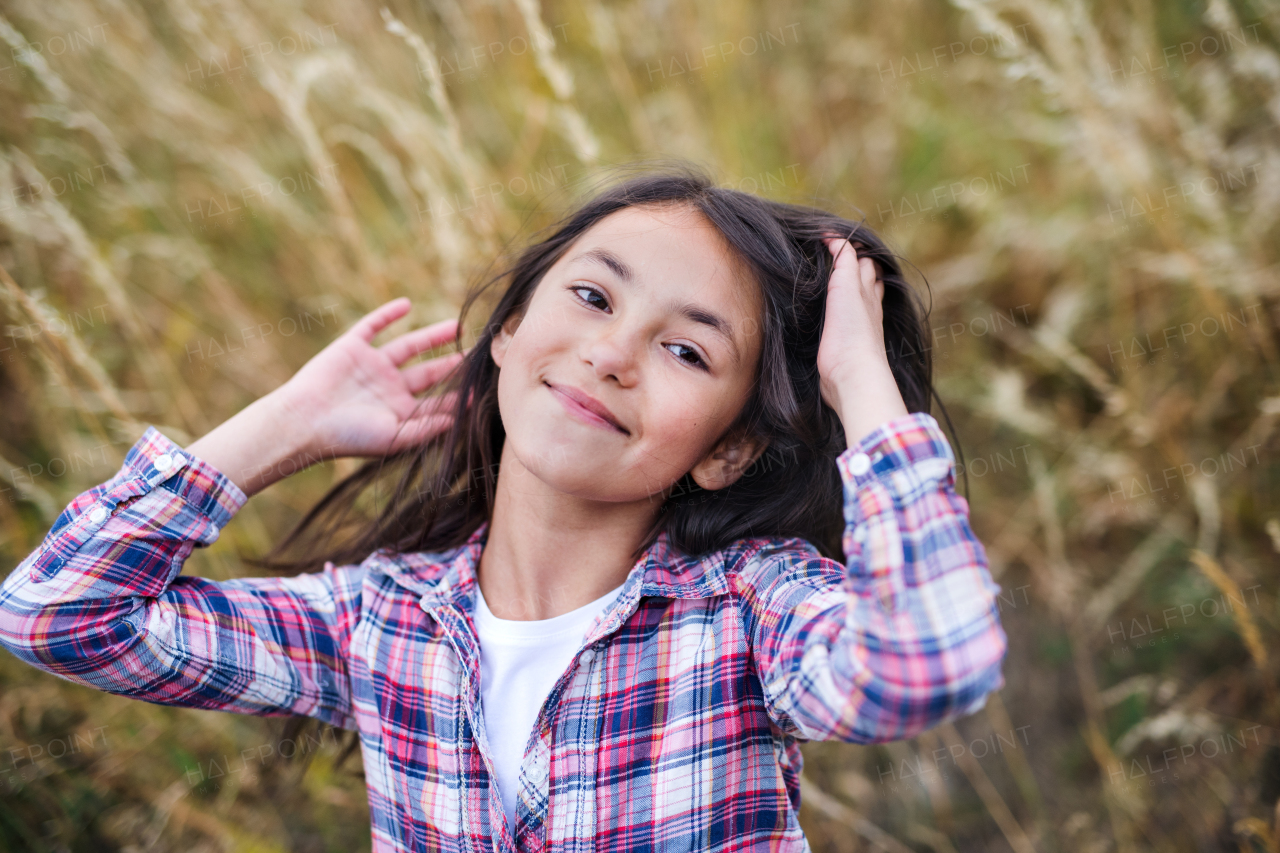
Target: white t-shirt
{"x":519,"y":664}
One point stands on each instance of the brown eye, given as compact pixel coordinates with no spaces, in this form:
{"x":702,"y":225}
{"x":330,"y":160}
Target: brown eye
{"x":592,"y":297}
{"x":689,"y":355}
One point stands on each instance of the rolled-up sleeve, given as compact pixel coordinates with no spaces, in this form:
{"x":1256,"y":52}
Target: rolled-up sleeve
{"x":101,"y":602}
{"x":907,"y":634}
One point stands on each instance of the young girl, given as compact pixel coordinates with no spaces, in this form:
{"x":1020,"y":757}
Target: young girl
{"x":605,"y":602}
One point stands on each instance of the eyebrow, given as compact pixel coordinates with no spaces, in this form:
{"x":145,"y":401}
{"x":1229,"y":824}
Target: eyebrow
{"x":693,"y":313}
{"x":716,"y":323}
{"x":608,"y":259}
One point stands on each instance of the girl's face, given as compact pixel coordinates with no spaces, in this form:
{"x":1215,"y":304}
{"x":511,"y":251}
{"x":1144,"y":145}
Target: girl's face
{"x":634,"y":355}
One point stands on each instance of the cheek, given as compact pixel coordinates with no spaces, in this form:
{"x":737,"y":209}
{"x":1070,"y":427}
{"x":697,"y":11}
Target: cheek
{"x":708,"y":406}
{"x":685,"y":424}
{"x":525,"y":351}
{"x":512,"y":382}
{"x":538,"y":337}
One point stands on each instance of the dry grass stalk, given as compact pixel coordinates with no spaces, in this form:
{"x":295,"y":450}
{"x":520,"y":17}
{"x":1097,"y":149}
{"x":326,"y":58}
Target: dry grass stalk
{"x":1227,"y":585}
{"x":190,"y":113}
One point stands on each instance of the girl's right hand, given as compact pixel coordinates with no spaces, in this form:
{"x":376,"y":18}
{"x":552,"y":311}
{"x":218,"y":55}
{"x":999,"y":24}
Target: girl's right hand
{"x":351,"y":399}
{"x":356,"y":399}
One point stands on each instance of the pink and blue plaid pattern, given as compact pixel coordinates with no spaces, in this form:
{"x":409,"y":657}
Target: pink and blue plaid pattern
{"x":677,"y":725}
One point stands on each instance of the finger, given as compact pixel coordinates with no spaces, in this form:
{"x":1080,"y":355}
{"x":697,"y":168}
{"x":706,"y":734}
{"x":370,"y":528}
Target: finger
{"x":445,"y":404}
{"x":379,"y":318}
{"x":420,"y":377}
{"x":842,"y":252}
{"x":420,"y":429}
{"x":418,"y":341}
{"x":867,"y":272}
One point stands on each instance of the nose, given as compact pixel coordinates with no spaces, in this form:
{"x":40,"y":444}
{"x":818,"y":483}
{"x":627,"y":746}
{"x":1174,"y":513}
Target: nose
{"x":614,"y":353}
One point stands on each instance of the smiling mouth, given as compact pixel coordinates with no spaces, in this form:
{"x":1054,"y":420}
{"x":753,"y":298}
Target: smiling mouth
{"x":585,"y":408}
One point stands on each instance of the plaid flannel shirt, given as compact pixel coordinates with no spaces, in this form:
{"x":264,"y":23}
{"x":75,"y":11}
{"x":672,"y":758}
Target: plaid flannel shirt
{"x":676,"y":726}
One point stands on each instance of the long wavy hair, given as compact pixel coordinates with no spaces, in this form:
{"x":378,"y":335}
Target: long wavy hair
{"x":433,"y":497}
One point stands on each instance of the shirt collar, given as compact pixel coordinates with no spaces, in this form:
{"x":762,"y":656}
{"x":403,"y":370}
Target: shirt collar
{"x":449,"y":576}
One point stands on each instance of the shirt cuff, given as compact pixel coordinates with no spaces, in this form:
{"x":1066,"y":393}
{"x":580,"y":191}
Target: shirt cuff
{"x":897,"y":464}
{"x":907,"y":453}
{"x":208,"y":497}
{"x":158,"y":461}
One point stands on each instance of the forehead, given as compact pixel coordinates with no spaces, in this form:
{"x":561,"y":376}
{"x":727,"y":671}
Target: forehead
{"x":672,"y":250}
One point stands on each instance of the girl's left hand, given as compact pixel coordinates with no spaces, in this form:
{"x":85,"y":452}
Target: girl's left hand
{"x":852,"y":364}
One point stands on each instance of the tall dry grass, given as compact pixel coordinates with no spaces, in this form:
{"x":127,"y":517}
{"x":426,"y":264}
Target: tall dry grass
{"x":195,"y":197}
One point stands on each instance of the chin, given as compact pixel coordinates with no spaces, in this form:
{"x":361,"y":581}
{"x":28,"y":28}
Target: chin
{"x":567,"y":469}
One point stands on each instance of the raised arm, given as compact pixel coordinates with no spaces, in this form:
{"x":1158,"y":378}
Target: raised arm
{"x":907,"y":634}
{"x":903,"y":637}
{"x":101,"y":602}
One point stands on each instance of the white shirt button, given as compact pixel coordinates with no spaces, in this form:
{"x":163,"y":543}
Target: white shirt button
{"x":859,"y":464}
{"x":588,"y":655}
{"x":213,"y":530}
{"x":163,"y":462}
{"x":97,"y":514}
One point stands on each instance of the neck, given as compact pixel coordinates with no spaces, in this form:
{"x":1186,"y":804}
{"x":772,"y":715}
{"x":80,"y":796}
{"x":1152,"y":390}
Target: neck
{"x":548,"y":552}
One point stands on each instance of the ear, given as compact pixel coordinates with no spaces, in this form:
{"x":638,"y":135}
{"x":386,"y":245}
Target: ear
{"x":502,"y":339}
{"x":727,"y":461}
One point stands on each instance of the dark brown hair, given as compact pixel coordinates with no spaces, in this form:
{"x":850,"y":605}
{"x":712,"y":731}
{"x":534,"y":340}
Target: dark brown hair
{"x":442,"y":491}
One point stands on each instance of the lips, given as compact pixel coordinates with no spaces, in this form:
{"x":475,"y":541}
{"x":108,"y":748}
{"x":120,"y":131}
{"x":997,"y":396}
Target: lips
{"x":586,"y":408}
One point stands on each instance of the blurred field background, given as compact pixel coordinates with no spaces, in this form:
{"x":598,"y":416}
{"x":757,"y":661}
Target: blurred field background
{"x":196,"y":196}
